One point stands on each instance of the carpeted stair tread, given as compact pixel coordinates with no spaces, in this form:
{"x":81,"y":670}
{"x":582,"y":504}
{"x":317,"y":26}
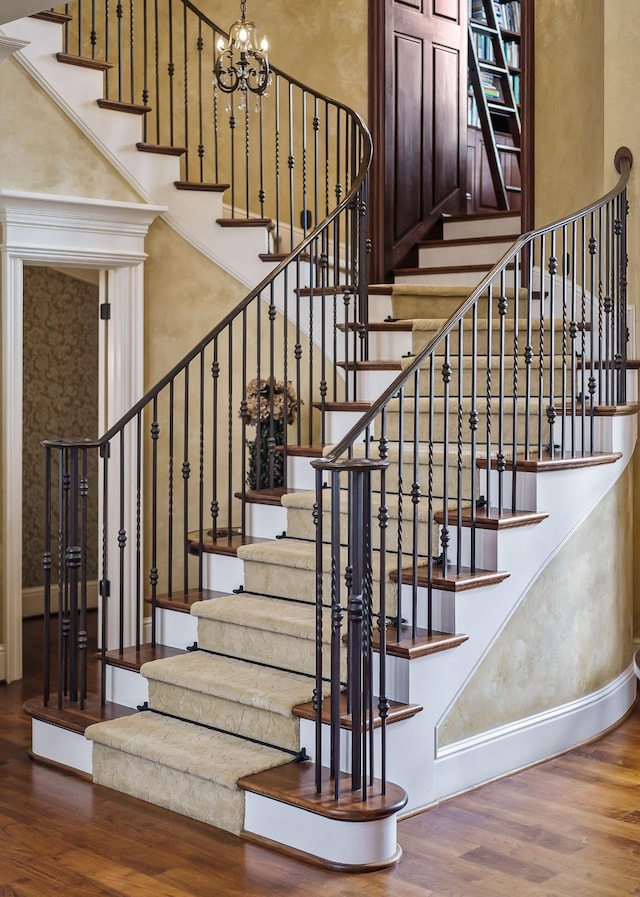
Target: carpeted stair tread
{"x":262,"y":629}
{"x":261,"y":612}
{"x":183,"y":767}
{"x":233,"y":679}
{"x":305,"y":501}
{"x":185,"y":747}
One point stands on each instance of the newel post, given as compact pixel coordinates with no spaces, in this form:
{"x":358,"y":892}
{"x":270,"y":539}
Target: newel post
{"x":348,"y":482}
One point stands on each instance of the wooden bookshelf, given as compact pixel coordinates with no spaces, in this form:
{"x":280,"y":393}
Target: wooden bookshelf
{"x":493,"y":119}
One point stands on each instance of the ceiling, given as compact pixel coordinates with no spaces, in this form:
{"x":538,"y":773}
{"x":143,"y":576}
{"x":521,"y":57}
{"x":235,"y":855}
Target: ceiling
{"x":17,"y":9}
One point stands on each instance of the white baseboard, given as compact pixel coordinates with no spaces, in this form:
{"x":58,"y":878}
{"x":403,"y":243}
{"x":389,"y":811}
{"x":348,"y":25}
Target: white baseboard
{"x":33,"y":599}
{"x":3,"y":667}
{"x":511,"y":748}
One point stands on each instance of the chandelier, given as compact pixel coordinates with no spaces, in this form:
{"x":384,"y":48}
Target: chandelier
{"x":240,"y":63}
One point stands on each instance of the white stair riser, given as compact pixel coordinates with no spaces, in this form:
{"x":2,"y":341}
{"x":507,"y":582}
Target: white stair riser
{"x":368,"y":386}
{"x":126,"y":687}
{"x":493,"y":226}
{"x":221,"y":573}
{"x":175,"y":629}
{"x":265,"y":521}
{"x":389,"y":344}
{"x":339,"y":423}
{"x":300,"y":473}
{"x":332,"y":840}
{"x":462,"y":278}
{"x":61,"y":746}
{"x":477,"y":253}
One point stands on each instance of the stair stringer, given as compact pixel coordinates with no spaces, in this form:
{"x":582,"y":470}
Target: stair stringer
{"x":115,"y":134}
{"x":430,"y":774}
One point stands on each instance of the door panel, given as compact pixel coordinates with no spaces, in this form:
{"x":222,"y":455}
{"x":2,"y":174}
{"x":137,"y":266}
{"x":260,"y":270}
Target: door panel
{"x":418,"y":63}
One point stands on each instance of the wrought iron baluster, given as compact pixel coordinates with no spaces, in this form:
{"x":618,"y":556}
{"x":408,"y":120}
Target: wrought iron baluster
{"x":122,"y":544}
{"x":132,"y":64}
{"x":291,"y":161}
{"x":105,"y":583}
{"x":215,"y":375}
{"x":416,"y":495}
{"x":170,"y":488}
{"x":46,"y":564}
{"x":201,"y":531}
{"x":551,"y":409}
{"x":153,"y":574}
{"x":138,"y":571}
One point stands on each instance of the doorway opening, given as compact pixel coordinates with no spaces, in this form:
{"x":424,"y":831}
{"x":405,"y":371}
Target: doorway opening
{"x":60,"y":399}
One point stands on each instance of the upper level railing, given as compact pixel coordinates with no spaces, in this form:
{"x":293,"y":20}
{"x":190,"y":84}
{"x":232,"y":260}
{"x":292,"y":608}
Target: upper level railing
{"x":285,"y":156}
{"x":517,"y":376}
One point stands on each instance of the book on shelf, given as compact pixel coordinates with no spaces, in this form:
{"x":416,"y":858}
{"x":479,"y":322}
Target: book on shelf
{"x":491,"y":86}
{"x":507,"y":13}
{"x":484,"y":47}
{"x":512,"y":54}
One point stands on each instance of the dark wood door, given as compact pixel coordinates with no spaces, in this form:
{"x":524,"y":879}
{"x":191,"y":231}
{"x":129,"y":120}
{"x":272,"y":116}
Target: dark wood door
{"x":418,"y":81}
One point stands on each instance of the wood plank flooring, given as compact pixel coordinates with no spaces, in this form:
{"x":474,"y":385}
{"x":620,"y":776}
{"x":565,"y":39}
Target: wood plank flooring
{"x":568,"y":828}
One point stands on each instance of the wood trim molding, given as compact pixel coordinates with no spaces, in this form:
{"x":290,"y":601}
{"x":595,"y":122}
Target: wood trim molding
{"x":10,"y":45}
{"x":506,"y":749}
{"x":33,"y":599}
{"x":527,"y":142}
{"x":377,"y":103}
{"x":77,"y":232}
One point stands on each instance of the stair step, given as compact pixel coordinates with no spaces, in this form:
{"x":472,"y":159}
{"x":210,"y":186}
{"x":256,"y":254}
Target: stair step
{"x":397,"y":712}
{"x":467,"y":241}
{"x":271,"y":497}
{"x":303,"y":451}
{"x":538,"y":463}
{"x":244,"y":222}
{"x":387,"y":326}
{"x":411,"y":647}
{"x":277,"y":257}
{"x":133,"y":658}
{"x":182,"y":603}
{"x":616,"y":410}
{"x":86,"y":62}
{"x":71,"y":717}
{"x":223,"y":544}
{"x":58,"y":18}
{"x":198,"y":186}
{"x":242,"y":697}
{"x":161,"y":150}
{"x":370,"y":366}
{"x":450,"y":581}
{"x":261,"y":629}
{"x":357,"y":407}
{"x":492,"y":518}
{"x":295,"y":784}
{"x":118,"y":106}
{"x":178,"y":765}
{"x":481,"y":224}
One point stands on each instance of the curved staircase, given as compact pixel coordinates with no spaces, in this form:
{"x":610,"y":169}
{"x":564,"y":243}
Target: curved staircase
{"x":310,"y":641}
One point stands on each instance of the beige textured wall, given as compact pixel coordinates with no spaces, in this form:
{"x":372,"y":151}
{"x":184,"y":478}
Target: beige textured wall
{"x":570,"y":635}
{"x":622,"y":128}
{"x":323,"y":44}
{"x":587,"y":72}
{"x":569,"y":106}
{"x":44,"y":152}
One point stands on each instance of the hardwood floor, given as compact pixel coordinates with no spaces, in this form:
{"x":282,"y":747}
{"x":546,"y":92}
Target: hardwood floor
{"x":569,"y":828}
